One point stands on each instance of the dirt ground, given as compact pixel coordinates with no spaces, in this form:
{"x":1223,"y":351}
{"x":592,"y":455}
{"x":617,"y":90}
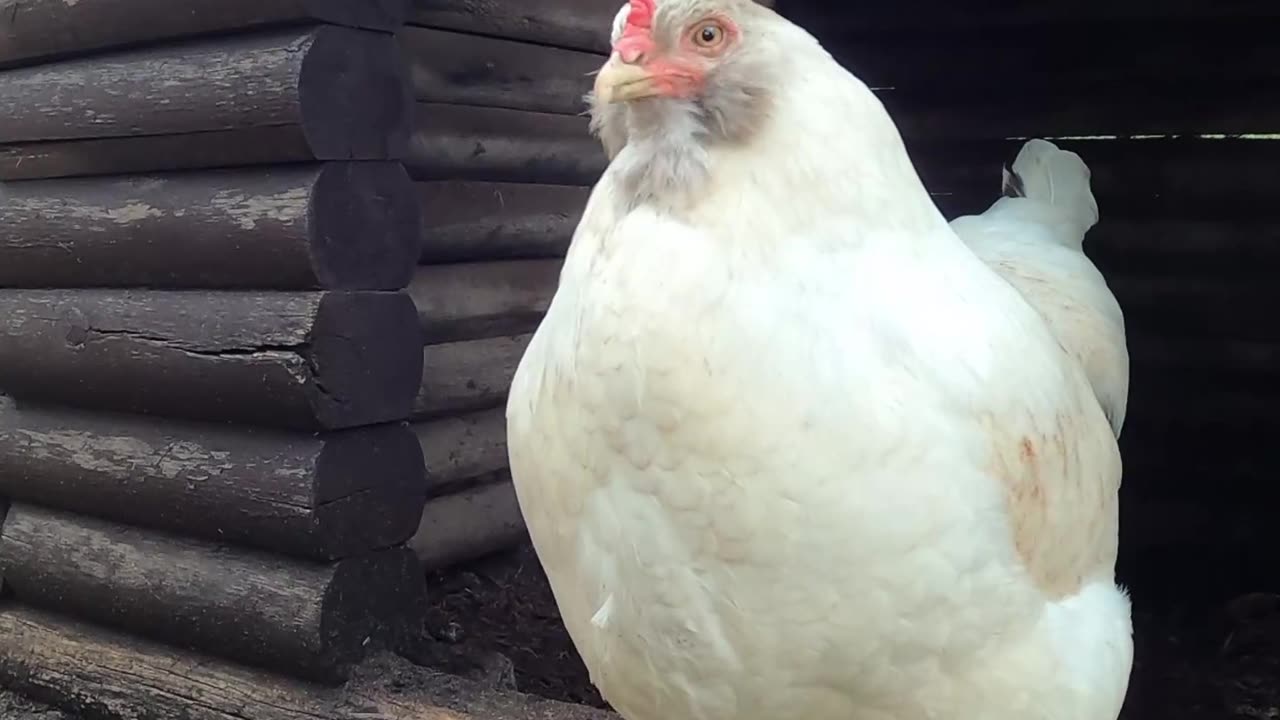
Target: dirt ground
{"x":1207,"y":659}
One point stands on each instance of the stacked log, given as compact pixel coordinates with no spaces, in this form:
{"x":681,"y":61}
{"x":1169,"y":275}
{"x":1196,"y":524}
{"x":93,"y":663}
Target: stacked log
{"x":242,"y":246}
{"x":207,"y":353}
{"x":503,"y":162}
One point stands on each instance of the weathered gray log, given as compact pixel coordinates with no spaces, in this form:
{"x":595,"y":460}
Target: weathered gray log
{"x":498,"y":221}
{"x":467,"y":301}
{"x":295,"y":227}
{"x":31,"y":29}
{"x":320,"y":497}
{"x":302,"y":619}
{"x":106,"y":675}
{"x":467,"y":525}
{"x":457,"y":449}
{"x":450,"y":67}
{"x":308,"y":361}
{"x":579,"y":24}
{"x":466,"y":376}
{"x":458,"y":142}
{"x":321,"y":93}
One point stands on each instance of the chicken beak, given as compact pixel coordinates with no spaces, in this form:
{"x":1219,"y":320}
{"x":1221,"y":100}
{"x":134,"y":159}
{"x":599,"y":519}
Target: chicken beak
{"x":620,"y":81}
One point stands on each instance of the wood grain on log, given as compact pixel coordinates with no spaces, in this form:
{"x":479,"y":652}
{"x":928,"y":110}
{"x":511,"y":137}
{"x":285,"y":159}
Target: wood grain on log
{"x":321,"y":93}
{"x":467,"y":525}
{"x":450,"y":67}
{"x":467,"y":301}
{"x":458,"y":449}
{"x":328,"y":226}
{"x":318,"y":497}
{"x":110,"y":676}
{"x":466,"y":376}
{"x":31,"y":29}
{"x":458,"y":142}
{"x":309,"y":361}
{"x":498,"y":221}
{"x":301,"y":619}
{"x":578,"y":24}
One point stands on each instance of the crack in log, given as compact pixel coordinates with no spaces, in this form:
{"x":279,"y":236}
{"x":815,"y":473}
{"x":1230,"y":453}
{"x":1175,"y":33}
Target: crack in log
{"x":265,"y":350}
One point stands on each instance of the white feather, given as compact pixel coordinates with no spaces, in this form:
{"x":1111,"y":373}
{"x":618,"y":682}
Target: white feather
{"x":1036,"y":244}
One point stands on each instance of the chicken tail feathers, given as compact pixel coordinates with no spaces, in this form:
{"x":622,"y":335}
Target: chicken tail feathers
{"x":1060,"y":178}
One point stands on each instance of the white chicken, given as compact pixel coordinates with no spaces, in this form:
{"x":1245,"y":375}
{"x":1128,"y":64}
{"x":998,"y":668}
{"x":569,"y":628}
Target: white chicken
{"x":1034,"y":238}
{"x":785,"y":446}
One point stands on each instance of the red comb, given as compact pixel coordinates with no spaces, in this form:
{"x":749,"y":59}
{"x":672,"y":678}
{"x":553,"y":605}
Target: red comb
{"x":640,"y":19}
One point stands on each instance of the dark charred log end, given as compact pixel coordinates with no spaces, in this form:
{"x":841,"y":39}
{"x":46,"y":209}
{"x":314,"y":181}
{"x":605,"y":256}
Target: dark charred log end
{"x":370,"y":490}
{"x":355,"y":101}
{"x":366,"y":359}
{"x":365,"y":226}
{"x":366,"y":605}
{"x":372,"y":14}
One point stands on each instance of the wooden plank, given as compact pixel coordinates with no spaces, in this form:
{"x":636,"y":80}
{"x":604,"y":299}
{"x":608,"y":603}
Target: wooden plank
{"x":295,"y":618}
{"x":466,"y":376}
{"x":467,"y":525}
{"x":458,"y":449}
{"x":457,"y":142}
{"x":1111,"y":111}
{"x":318,"y":497}
{"x":498,"y":221}
{"x":106,"y":675}
{"x":830,"y":18}
{"x":1193,"y":306}
{"x":32,"y":30}
{"x":450,"y":67}
{"x":1173,"y":245}
{"x":576,"y":24}
{"x":348,"y":226}
{"x":1182,"y":178}
{"x":468,"y":301}
{"x":324,"y":93}
{"x":308,"y":361}
{"x":1006,"y":67}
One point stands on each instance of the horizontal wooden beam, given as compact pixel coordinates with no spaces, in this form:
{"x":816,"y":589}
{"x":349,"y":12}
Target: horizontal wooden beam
{"x":466,"y":525}
{"x":307,"y":620}
{"x":450,"y":67}
{"x":830,"y":17}
{"x":320,"y":93}
{"x":1120,"y":112}
{"x":1210,"y":179}
{"x":468,"y":375}
{"x":460,"y":142}
{"x":111,"y":676}
{"x":319,"y":497}
{"x":33,"y":30}
{"x":577,"y":24}
{"x":497,"y":221}
{"x":461,"y":448}
{"x":308,"y":361}
{"x":346,"y":226}
{"x":468,"y":301}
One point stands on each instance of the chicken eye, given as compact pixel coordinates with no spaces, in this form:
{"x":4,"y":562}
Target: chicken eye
{"x":708,"y":35}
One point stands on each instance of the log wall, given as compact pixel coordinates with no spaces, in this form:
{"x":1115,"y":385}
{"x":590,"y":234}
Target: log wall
{"x":208,"y":350}
{"x":266,"y":270}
